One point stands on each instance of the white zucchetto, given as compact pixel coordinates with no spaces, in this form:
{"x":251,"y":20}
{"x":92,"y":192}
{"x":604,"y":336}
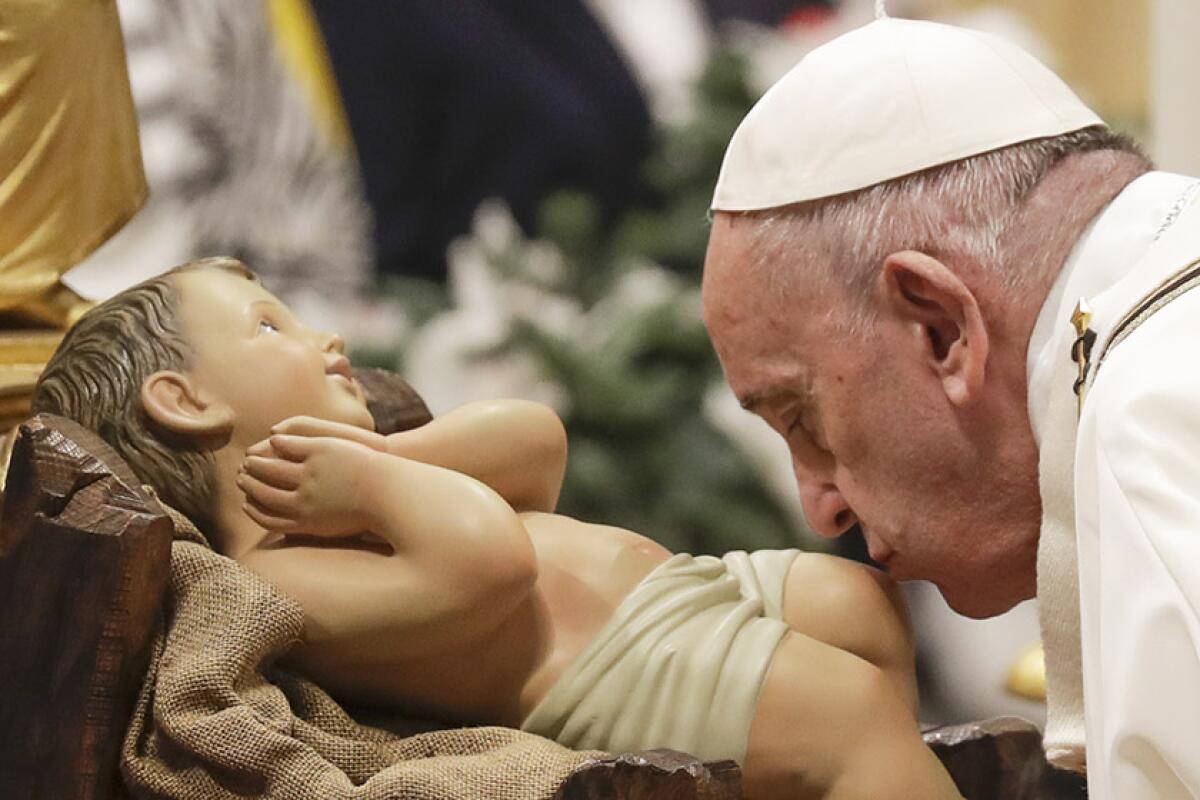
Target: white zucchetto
{"x":885,"y":100}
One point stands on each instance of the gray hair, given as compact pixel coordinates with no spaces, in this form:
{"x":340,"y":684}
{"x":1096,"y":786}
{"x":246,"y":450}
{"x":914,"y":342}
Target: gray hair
{"x":95,"y":378}
{"x":956,"y":212}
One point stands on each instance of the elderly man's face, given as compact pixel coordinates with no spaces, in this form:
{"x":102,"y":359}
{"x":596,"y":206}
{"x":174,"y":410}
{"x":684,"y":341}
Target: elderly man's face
{"x":874,"y":437}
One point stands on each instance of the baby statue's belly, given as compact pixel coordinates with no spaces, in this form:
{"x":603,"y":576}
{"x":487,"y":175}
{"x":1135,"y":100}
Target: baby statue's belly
{"x":602,"y":561}
{"x":584,"y":572}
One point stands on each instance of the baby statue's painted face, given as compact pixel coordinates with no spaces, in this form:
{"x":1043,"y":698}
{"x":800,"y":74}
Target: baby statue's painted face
{"x":250,"y":354}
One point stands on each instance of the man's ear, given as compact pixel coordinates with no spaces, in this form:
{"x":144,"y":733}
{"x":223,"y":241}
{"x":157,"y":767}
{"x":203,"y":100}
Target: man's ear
{"x":925,"y":296}
{"x":173,"y":401}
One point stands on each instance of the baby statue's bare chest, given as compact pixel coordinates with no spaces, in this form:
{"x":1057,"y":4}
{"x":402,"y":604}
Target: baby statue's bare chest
{"x":584,"y":572}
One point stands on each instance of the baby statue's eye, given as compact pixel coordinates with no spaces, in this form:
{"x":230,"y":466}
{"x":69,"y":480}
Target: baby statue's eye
{"x":266,"y":326}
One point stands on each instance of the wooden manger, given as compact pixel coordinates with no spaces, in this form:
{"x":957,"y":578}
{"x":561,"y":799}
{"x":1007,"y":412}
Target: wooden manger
{"x":74,"y":649}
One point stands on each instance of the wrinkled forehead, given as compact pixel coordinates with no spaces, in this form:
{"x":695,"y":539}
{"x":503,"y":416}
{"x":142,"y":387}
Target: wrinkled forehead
{"x":759,"y":359}
{"x":731,"y":287}
{"x":760,"y":338}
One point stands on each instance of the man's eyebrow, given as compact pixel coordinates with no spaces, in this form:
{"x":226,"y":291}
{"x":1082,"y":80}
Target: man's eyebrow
{"x":754,"y":399}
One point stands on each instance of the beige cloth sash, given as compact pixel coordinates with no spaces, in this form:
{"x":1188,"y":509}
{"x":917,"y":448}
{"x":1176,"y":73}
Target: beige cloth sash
{"x":680,"y":663}
{"x":1058,"y":569}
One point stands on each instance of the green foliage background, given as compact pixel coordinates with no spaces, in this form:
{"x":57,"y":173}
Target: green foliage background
{"x":642,"y":454}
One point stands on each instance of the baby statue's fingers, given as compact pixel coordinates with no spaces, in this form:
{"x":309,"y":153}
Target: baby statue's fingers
{"x":262,"y":448}
{"x":293,"y":448}
{"x":303,"y":426}
{"x":312,"y":427}
{"x":269,"y":521}
{"x":278,"y":501}
{"x":273,"y":471}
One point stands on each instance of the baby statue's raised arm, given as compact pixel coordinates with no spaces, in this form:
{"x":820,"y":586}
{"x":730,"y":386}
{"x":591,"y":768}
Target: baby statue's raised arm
{"x":517,"y":447}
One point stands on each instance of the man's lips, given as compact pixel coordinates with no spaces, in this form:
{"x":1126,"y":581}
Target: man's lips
{"x":879,"y":551}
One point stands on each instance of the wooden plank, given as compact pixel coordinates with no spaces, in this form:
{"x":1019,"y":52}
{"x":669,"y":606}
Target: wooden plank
{"x":84,"y":568}
{"x":653,"y":775}
{"x":1002,"y":759}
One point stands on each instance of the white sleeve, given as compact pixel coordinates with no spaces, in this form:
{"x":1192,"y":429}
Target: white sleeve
{"x":1138,"y":527}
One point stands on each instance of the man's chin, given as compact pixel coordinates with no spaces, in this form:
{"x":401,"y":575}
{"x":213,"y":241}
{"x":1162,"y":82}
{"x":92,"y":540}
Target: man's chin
{"x":975,"y":602}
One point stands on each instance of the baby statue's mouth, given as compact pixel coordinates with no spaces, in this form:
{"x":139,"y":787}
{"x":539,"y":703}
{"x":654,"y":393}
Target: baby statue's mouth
{"x":342,"y":372}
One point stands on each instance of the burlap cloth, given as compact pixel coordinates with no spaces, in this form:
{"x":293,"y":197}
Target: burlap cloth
{"x":214,"y":719}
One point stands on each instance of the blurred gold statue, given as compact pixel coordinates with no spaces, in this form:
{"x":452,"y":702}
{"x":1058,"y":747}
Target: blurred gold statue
{"x":70,"y":166}
{"x":70,"y":174}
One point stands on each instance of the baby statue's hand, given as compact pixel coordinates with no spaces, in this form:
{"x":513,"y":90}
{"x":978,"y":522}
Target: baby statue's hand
{"x":306,"y":484}
{"x":311,"y":426}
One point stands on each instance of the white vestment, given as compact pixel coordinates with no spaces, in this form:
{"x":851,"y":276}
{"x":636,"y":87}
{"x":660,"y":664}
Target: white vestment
{"x":1119,"y":558}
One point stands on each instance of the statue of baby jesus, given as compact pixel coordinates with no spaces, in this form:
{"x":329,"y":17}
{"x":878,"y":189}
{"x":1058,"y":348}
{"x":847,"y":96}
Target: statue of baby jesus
{"x":435,"y":577}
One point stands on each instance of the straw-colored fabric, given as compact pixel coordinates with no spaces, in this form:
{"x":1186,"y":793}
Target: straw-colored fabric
{"x":214,"y":720}
{"x":681,"y":662}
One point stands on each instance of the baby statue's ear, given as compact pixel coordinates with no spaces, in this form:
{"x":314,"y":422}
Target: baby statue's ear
{"x":174,"y":402}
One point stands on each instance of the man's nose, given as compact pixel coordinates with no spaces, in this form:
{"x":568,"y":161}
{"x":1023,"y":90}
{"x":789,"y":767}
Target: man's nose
{"x":828,"y":513}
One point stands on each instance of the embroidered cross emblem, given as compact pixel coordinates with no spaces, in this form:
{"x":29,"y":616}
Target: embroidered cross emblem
{"x":1081,"y":349}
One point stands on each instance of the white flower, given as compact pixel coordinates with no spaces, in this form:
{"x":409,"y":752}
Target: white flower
{"x":494,"y":228}
{"x":450,"y":360}
{"x":447,"y":364}
{"x":361,"y":321}
{"x":646,"y":287}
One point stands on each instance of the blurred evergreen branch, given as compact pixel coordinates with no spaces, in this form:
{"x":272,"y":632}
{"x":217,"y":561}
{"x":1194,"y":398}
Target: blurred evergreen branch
{"x":679,"y":176}
{"x":634,"y":375}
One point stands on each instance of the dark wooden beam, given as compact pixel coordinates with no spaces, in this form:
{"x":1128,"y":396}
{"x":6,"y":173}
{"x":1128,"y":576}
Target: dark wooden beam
{"x":84,"y":565}
{"x":653,"y":775}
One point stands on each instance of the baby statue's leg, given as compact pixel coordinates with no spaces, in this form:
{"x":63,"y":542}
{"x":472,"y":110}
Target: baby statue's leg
{"x":830,"y":725}
{"x":854,"y":608}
